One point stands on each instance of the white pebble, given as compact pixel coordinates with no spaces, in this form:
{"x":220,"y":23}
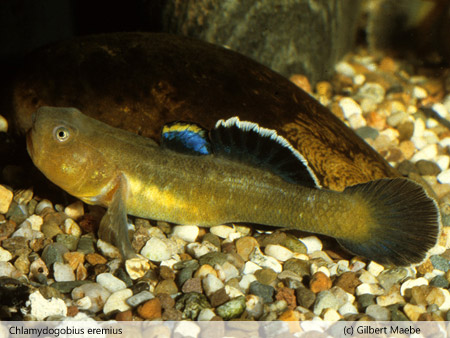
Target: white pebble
{"x":188,"y":233}
{"x":205,"y":315}
{"x":367,"y":277}
{"x":440,"y":109}
{"x":232,"y":292}
{"x":71,"y":227}
{"x":222,"y":231}
{"x":427,"y":153}
{"x":226,"y":271}
{"x":199,"y":249}
{"x":410,"y":283}
{"x":117,"y":301}
{"x":84,"y":303}
{"x":6,"y":197}
{"x":371,"y":289}
{"x":443,"y":162}
{"x":446,"y":305}
{"x":44,"y":204}
{"x":419,"y":93}
{"x":445,"y":142}
{"x":419,"y":127}
{"x":6,"y":269}
{"x":5,"y":255}
{"x":345,"y":68}
{"x":3,"y":124}
{"x":357,"y":121}
{"x":137,"y":267}
{"x":312,"y":244}
{"x":97,"y":293}
{"x":265,"y":261}
{"x":108,"y":250}
{"x":254,"y":306}
{"x":63,"y":272}
{"x":419,"y":142}
{"x":430,"y":137}
{"x":444,"y":177}
{"x":250,"y":268}
{"x":245,"y":282}
{"x":278,"y":252}
{"x":359,"y":79}
{"x":372,"y":91}
{"x":431,"y":123}
{"x":374,"y":268}
{"x":110,"y":282}
{"x":331,"y":315}
{"x":184,"y":326}
{"x":349,"y":107}
{"x":24,"y":230}
{"x":211,"y":284}
{"x":36,"y":222}
{"x":41,"y":308}
{"x":156,"y":250}
{"x":348,"y":309}
{"x":75,"y":210}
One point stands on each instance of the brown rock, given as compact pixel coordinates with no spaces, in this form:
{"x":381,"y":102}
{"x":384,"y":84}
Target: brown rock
{"x":151,"y":309}
{"x":408,"y":148}
{"x":265,"y":276}
{"x":324,"y":88}
{"x":320,"y":282}
{"x":219,"y":297}
{"x":245,"y":246}
{"x":185,"y":257}
{"x":89,"y":223}
{"x":376,"y":120}
{"x":72,"y":311}
{"x":425,"y":267}
{"x":172,"y":315}
{"x":95,"y":258}
{"x":74,"y":259}
{"x":166,"y":301}
{"x":288,"y":295}
{"x":7,"y":228}
{"x":387,"y":64}
{"x":192,"y":285}
{"x":166,"y":273}
{"x":348,"y":282}
{"x":124,"y":316}
{"x":166,"y":286}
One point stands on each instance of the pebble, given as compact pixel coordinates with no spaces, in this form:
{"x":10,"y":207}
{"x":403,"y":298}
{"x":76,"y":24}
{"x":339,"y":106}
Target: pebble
{"x":278,"y":252}
{"x":320,"y":282}
{"x":204,"y":271}
{"x":96,"y":293}
{"x":265,"y":261}
{"x":231,"y":309}
{"x":410,"y":283}
{"x":391,"y":298}
{"x":266,"y":276}
{"x":192,"y":285}
{"x":219,"y":297}
{"x":42,"y":308}
{"x":213,"y":258}
{"x":312,"y":244}
{"x":325,"y":300}
{"x":166,"y":286}
{"x":185,"y":326}
{"x":374,"y":268}
{"x":86,"y":245}
{"x":427,"y":153}
{"x":69,"y":241}
{"x":440,"y":263}
{"x":206,"y":315}
{"x":245,"y":282}
{"x":108,"y":250}
{"x":117,"y":301}
{"x":413,"y":312}
{"x":266,"y":292}
{"x":331,"y":315}
{"x":372,"y":289}
{"x":348,"y":282}
{"x":245,"y":246}
{"x":305,"y":297}
{"x":211,"y":284}
{"x":298,"y":266}
{"x":222,"y":231}
{"x":6,"y":197}
{"x":5,"y":255}
{"x":75,"y":210}
{"x":63,"y":272}
{"x":288,"y":295}
{"x":378,"y":312}
{"x":74,"y":259}
{"x":110,"y":282}
{"x":95,"y":258}
{"x":348,"y":309}
{"x":71,"y":227}
{"x":151,"y":309}
{"x":188,"y":233}
{"x":53,"y":253}
{"x":156,"y":250}
{"x":191,"y":304}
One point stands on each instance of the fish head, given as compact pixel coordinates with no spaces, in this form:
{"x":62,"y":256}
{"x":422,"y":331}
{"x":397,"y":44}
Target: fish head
{"x":64,"y":145}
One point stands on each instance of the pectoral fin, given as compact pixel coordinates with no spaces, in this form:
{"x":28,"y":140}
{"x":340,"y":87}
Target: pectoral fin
{"x":114,"y":225}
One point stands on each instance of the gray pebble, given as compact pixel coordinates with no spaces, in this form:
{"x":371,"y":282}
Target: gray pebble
{"x":86,"y":245}
{"x":49,"y":291}
{"x":66,"y":287}
{"x":367,"y":132}
{"x":440,"y":263}
{"x":378,"y":312}
{"x":300,"y":267}
{"x":17,"y":213}
{"x":191,"y":263}
{"x":213,"y":258}
{"x":324,"y":300}
{"x":399,"y":316}
{"x":213,"y":239}
{"x":366,"y":300}
{"x":123,"y":276}
{"x":305,"y":297}
{"x":387,"y":278}
{"x":53,"y":253}
{"x":292,"y":243}
{"x":266,"y":292}
{"x":184,"y":275}
{"x":231,"y":309}
{"x":69,"y":241}
{"x":139,"y":298}
{"x":440,"y":281}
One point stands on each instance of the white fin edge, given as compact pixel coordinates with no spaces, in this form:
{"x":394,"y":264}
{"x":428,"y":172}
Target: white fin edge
{"x":269,"y":133}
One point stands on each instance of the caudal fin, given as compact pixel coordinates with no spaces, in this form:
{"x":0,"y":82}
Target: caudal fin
{"x":405,"y":222}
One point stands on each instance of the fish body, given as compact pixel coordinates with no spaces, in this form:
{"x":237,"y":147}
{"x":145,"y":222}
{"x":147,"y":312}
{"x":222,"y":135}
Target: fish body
{"x":240,"y":172}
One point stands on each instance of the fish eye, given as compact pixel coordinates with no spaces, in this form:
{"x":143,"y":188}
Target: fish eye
{"x":61,"y":134}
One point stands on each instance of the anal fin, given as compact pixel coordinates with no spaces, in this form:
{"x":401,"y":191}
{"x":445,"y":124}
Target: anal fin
{"x":114,"y":224}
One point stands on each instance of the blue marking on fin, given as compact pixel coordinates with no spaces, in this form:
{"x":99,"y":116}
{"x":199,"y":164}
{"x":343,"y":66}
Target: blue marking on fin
{"x":186,"y":138}
{"x":249,"y":143}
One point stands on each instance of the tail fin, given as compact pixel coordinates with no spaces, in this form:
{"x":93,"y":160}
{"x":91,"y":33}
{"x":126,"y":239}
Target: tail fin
{"x":406,"y":222}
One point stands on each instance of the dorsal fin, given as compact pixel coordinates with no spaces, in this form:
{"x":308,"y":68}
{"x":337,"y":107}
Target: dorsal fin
{"x":249,"y":143}
{"x":186,"y":138}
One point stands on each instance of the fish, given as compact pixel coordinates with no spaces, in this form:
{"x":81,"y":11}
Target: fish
{"x":236,"y":172}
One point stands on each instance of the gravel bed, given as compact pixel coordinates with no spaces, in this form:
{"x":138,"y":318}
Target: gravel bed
{"x":52,"y":266}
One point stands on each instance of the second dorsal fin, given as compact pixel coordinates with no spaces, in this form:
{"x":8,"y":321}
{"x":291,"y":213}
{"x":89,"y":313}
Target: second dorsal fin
{"x":186,"y":138}
{"x":249,"y":143}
